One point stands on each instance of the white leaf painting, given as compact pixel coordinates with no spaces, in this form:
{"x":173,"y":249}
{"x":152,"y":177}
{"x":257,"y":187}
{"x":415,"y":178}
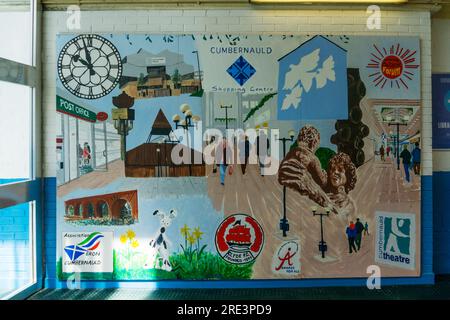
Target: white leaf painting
{"x":293,"y":98}
{"x":299,"y":78}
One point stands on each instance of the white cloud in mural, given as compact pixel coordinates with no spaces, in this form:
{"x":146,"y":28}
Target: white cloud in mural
{"x":300,"y":77}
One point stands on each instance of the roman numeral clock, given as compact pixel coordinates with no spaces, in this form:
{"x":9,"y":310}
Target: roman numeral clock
{"x":89,"y":66}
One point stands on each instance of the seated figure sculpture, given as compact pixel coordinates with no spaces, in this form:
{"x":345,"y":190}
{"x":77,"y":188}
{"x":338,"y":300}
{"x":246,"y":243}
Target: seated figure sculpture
{"x":301,"y":171}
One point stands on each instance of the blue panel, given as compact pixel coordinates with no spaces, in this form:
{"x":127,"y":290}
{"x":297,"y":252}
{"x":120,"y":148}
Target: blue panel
{"x":427,"y":276}
{"x":441,"y":209}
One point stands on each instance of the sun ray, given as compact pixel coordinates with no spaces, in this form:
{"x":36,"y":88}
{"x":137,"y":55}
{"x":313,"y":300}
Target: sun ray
{"x":405,"y":53}
{"x":376,"y":56}
{"x":406,"y":86}
{"x":378,"y":50}
{"x":411,"y":54}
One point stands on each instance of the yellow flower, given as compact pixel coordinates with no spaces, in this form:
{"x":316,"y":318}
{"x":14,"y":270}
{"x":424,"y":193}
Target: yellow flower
{"x":191,"y":239}
{"x":131,"y":234}
{"x":134,"y":243}
{"x":185,"y":231}
{"x":197,"y":233}
{"x":123,"y":238}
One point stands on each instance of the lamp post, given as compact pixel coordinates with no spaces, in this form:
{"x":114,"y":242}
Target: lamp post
{"x":226,"y":114}
{"x":397,"y":124}
{"x":322,"y":244}
{"x":198,"y":66}
{"x":284,"y":224}
{"x":123,"y":118}
{"x":189,"y":121}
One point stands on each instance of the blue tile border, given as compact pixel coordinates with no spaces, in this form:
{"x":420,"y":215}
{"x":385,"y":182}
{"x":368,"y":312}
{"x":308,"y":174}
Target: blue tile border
{"x":427,"y":275}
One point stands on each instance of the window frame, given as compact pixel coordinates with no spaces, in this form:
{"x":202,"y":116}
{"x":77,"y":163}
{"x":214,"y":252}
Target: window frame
{"x":30,"y":190}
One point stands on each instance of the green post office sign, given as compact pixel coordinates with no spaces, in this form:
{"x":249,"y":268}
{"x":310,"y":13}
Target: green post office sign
{"x":74,"y":110}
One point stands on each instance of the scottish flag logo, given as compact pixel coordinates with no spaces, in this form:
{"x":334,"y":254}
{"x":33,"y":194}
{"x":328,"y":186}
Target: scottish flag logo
{"x":89,"y":244}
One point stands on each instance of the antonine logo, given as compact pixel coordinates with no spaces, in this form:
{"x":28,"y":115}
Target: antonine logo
{"x":395,"y":243}
{"x":239,"y":239}
{"x":90,"y":243}
{"x":286,"y":259}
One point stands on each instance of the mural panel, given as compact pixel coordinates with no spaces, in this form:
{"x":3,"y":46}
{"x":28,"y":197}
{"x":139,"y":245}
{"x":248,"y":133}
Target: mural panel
{"x":227,"y":157}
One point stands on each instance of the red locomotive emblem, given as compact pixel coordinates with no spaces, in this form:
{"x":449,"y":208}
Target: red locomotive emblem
{"x":239,"y":239}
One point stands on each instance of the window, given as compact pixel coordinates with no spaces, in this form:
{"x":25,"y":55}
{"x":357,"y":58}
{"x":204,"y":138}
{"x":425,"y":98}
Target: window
{"x":20,"y":196}
{"x":15,"y":132}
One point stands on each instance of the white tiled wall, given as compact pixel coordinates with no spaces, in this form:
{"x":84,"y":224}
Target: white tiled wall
{"x":350,"y":22}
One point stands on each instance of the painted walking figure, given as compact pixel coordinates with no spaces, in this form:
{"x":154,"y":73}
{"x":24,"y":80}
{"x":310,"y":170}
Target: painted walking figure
{"x":244,"y":152}
{"x":224,"y":158}
{"x":262,"y":149}
{"x":405,"y":155}
{"x":416,"y":159}
{"x":86,"y":154}
{"x":359,"y":231}
{"x":366,"y":229}
{"x":351,"y":236}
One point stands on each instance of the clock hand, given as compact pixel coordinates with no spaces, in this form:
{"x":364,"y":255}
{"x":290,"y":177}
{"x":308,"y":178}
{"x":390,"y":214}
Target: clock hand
{"x":77,"y":58}
{"x":88,"y":56}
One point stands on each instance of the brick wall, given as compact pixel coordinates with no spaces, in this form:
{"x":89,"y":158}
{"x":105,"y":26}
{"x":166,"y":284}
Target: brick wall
{"x":15,"y":254}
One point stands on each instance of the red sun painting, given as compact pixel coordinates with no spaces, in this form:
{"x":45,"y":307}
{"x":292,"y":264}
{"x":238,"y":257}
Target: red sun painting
{"x":394,"y":65}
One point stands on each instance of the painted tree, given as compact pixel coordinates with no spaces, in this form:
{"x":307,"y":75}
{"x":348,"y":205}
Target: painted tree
{"x":351,"y":132}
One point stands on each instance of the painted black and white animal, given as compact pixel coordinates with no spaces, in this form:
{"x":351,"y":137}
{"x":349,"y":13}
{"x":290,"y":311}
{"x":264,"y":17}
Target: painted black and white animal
{"x":160,"y":244}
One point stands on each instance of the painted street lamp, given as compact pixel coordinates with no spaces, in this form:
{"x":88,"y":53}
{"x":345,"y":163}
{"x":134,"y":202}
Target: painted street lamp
{"x":199,"y":72}
{"x":226,"y":114}
{"x":189,"y":121}
{"x":397,"y":124}
{"x":284,"y":224}
{"x":322,"y":244}
{"x":123,"y":118}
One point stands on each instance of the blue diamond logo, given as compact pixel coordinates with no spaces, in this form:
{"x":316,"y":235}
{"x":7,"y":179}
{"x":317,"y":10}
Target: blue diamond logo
{"x":241,"y":70}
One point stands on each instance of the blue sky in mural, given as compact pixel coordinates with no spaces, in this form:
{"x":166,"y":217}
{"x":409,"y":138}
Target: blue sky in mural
{"x":312,"y":82}
{"x":146,"y":109}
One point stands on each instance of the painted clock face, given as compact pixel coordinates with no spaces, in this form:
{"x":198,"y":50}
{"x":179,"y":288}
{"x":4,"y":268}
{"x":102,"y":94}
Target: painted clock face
{"x":89,"y":66}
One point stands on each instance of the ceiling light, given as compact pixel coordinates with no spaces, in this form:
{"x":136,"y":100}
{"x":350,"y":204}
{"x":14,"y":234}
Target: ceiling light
{"x":328,"y":1}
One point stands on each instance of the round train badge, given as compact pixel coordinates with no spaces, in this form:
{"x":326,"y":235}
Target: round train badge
{"x":239,"y":239}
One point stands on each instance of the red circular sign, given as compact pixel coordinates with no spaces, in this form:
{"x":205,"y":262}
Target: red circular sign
{"x":102,"y":116}
{"x":392,"y":67}
{"x":239,"y":239}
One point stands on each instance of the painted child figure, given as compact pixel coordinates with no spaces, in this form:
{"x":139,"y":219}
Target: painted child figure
{"x":159,"y":244}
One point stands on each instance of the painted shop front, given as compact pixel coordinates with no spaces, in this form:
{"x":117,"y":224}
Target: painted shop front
{"x":238,"y":157}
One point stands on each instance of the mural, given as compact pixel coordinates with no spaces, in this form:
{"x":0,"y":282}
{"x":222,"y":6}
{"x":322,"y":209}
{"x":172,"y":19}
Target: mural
{"x":227,"y":157}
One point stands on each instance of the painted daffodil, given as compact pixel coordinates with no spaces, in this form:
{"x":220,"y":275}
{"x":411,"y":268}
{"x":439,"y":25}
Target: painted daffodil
{"x":123,"y":238}
{"x":134,"y":243}
{"x":185,"y":231}
{"x":191,"y":239}
{"x":131,"y":234}
{"x":197,"y":233}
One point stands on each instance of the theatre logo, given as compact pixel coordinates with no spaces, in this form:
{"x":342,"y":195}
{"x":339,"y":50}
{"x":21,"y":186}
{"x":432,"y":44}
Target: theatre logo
{"x":87,"y":251}
{"x":395,"y":239}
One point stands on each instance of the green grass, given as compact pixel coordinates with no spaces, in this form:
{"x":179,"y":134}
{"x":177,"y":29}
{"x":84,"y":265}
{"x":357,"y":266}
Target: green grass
{"x":208,"y":266}
{"x":134,"y":272}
